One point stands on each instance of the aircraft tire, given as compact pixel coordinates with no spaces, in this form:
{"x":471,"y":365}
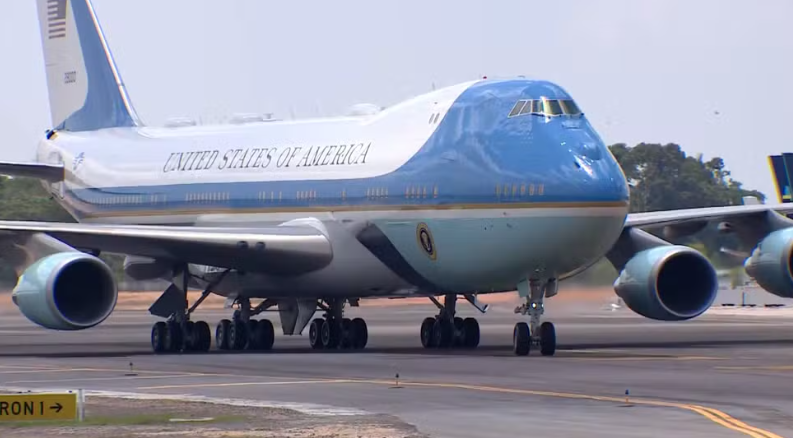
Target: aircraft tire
{"x":315,"y":333}
{"x":521,"y":339}
{"x":222,"y":334}
{"x":264,"y":335}
{"x":158,"y":332}
{"x":471,"y":333}
{"x":427,"y":325}
{"x":360,"y":333}
{"x":202,"y":336}
{"x":458,"y":334}
{"x":346,"y":334}
{"x":547,"y":339}
{"x":237,"y":335}
{"x":174,"y":337}
{"x":443,"y":333}
{"x":251,"y":342}
{"x":330,"y":334}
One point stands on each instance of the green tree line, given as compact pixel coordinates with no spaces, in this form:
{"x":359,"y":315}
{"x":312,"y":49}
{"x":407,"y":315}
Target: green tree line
{"x":661,"y":177}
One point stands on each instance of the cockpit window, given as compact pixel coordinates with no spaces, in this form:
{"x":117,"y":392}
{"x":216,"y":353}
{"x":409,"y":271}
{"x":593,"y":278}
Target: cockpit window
{"x":517,"y":108}
{"x":552,"y":107}
{"x":569,"y":107}
{"x":545,"y":107}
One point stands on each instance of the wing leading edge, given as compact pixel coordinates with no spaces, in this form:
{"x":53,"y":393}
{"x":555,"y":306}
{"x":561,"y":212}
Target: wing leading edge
{"x":283,"y":250}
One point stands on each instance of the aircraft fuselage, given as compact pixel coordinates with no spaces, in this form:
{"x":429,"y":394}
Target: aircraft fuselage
{"x":455,"y":190}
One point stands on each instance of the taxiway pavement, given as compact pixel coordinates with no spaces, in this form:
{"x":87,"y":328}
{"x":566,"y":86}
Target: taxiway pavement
{"x":721,"y":375}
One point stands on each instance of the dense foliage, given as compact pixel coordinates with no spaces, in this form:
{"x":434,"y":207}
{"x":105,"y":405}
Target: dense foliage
{"x":661,"y":177}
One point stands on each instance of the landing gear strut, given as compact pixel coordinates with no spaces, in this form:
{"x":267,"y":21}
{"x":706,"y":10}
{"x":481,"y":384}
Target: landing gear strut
{"x":334,"y":331}
{"x":447,"y":330}
{"x":535,"y":333}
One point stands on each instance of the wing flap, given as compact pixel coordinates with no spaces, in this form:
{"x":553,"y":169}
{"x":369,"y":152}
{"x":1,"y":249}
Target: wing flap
{"x":47,"y":172}
{"x":282,"y":250}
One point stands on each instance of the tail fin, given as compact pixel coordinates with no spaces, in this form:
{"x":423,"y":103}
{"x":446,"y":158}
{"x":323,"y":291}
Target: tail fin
{"x":781,"y":167}
{"x":85,"y":89}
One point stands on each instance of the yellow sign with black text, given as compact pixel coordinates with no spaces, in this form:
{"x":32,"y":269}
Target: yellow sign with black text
{"x":34,"y":407}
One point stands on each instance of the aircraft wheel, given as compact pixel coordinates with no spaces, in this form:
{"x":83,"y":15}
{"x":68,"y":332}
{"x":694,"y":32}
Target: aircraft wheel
{"x":521,"y":339}
{"x":237,"y":335}
{"x":427,"y":325}
{"x":330,"y":334}
{"x":158,"y":333}
{"x":547,"y":339}
{"x":315,"y":333}
{"x":264,"y":335}
{"x":470,"y":333}
{"x":360,"y":333}
{"x":443,"y":333}
{"x":174,"y":337}
{"x":346,"y":335}
{"x":458,"y":335}
{"x":202,"y":336}
{"x":222,"y":334}
{"x":251,"y":343}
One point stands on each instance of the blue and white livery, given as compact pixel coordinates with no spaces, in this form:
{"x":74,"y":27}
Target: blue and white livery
{"x":483,"y":187}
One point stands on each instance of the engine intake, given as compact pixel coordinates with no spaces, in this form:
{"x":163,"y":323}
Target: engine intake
{"x":66,"y":291}
{"x":668,"y":283}
{"x":771,"y":263}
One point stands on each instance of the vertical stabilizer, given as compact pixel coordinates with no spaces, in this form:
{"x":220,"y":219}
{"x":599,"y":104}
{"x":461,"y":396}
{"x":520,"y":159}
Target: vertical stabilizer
{"x":781,"y":165}
{"x":85,"y":89}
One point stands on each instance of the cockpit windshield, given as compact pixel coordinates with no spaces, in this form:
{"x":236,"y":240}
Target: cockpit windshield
{"x":545,"y":107}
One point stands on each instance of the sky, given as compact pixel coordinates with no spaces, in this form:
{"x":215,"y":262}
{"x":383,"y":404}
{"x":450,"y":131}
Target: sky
{"x":711,"y":75}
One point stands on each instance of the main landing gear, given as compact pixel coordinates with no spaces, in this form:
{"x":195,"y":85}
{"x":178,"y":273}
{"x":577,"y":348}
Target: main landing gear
{"x":334,"y":331}
{"x":244,"y":333}
{"x":180,"y":334}
{"x":447,"y":330}
{"x":524,"y":336}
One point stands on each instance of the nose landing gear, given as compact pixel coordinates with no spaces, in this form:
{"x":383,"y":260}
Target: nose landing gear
{"x":536,"y":332}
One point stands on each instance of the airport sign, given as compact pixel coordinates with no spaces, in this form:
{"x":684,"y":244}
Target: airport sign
{"x":36,"y":407}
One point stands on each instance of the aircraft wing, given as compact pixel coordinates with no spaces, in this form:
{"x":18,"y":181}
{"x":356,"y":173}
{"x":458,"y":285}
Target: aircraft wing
{"x":657,"y":219}
{"x":48,"y":172}
{"x":283,"y":249}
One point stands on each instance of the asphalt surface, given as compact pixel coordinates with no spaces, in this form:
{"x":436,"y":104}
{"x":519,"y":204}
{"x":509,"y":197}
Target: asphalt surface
{"x":721,"y":375}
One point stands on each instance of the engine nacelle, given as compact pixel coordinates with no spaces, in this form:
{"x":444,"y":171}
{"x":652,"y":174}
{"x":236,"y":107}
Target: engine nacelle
{"x":770,"y":263}
{"x":668,"y":283}
{"x":66,"y":291}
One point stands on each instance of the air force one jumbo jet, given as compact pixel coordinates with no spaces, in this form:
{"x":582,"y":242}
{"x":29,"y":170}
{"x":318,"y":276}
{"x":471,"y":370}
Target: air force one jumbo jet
{"x":483,"y":187}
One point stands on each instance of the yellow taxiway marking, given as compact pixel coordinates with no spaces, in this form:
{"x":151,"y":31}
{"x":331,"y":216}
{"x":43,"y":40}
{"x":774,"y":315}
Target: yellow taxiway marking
{"x":714,"y":415}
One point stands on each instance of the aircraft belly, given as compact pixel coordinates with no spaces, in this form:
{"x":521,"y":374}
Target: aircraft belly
{"x":494,"y":254}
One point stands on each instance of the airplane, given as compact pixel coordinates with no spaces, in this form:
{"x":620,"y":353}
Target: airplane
{"x":487,"y":186}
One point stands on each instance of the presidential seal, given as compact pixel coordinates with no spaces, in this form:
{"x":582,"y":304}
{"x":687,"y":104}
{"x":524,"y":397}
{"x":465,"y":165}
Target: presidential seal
{"x":424,"y":238}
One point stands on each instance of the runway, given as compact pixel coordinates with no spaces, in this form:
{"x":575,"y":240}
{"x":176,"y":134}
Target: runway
{"x":720,"y":375}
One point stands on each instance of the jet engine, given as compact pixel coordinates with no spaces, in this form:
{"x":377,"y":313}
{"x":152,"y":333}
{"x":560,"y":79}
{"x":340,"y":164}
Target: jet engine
{"x":668,"y":283}
{"x":770,"y":263}
{"x":66,"y":291}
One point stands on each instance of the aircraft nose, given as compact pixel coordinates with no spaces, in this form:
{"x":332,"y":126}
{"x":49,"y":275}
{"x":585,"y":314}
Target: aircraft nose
{"x":593,"y":172}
